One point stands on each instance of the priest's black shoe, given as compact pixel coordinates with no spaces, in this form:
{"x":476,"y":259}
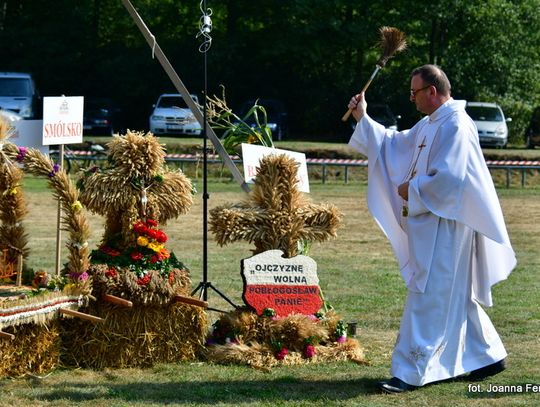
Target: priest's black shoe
{"x":487,"y":371}
{"x":395,"y":385}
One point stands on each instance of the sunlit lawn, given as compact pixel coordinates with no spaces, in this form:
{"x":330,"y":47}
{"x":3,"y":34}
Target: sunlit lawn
{"x":359,"y":277}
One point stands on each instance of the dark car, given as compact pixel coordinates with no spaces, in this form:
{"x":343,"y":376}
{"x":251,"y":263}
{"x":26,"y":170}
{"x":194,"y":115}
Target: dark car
{"x":382,"y":114}
{"x":275,"y":113}
{"x":532,"y":134}
{"x":101,"y":117}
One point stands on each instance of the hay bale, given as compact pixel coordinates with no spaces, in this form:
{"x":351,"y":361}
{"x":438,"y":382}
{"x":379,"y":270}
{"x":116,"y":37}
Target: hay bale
{"x":35,"y":349}
{"x":134,"y":337}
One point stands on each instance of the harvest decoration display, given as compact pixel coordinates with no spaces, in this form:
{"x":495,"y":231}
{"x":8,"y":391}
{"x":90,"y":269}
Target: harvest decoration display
{"x":277,"y":216}
{"x":136,"y":193}
{"x":29,"y":316}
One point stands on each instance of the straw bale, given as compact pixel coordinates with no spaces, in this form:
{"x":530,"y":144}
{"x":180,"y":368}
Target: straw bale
{"x":134,"y":337}
{"x":35,"y":349}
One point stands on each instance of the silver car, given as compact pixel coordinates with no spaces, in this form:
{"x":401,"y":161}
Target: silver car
{"x":490,"y":122}
{"x":172,"y":115}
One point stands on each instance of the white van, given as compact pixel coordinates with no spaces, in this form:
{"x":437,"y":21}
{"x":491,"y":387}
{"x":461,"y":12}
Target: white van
{"x":18,"y":94}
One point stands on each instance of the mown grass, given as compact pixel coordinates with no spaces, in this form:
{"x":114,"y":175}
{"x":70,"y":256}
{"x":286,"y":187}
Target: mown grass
{"x":359,"y":277}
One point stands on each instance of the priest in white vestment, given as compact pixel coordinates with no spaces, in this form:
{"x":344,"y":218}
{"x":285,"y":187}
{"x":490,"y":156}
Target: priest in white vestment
{"x":431,"y":193}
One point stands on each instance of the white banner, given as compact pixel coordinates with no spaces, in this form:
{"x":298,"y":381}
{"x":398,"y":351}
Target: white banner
{"x":63,"y":120}
{"x":251,"y":154}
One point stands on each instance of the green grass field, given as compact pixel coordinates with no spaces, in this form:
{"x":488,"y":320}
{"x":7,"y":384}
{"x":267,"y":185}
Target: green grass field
{"x":359,"y":277}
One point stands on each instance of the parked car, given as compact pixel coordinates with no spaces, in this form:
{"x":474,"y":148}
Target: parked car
{"x":490,"y":122}
{"x":276,"y":115}
{"x":10,"y":116}
{"x":382,"y":114}
{"x":172,"y":115}
{"x":101,"y":117}
{"x":532,"y":134}
{"x":18,"y":93}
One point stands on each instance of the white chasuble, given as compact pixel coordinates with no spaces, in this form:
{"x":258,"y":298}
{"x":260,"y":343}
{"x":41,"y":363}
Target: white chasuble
{"x":452,"y":245}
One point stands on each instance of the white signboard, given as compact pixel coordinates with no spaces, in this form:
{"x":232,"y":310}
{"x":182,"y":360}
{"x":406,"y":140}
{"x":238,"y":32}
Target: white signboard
{"x":27,"y":133}
{"x":251,"y":154}
{"x":63,"y":120}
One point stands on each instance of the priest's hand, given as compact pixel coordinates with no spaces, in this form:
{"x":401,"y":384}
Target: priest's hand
{"x":358,"y":106}
{"x":403,"y":190}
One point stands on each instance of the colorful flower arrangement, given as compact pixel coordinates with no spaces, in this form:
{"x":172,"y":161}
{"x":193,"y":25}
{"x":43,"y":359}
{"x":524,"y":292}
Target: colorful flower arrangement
{"x":298,"y":333}
{"x":147,"y":254}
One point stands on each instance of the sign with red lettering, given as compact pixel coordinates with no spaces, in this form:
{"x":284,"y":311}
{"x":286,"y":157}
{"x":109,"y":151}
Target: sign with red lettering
{"x":251,"y":155}
{"x":63,"y":120}
{"x":285,"y":285}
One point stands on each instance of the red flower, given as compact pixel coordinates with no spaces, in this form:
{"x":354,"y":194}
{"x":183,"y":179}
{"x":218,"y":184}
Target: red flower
{"x":144,"y":280}
{"x":171,"y":277}
{"x":111,"y":273}
{"x":154,"y":259}
{"x":136,"y":256}
{"x":110,"y":251}
{"x":161,"y":237}
{"x":140,"y":228}
{"x":281,"y":354}
{"x":309,"y":351}
{"x":151,"y":222}
{"x":152,"y":233}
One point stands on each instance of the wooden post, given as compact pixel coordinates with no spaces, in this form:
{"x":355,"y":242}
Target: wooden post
{"x":117,"y":300}
{"x":59,"y":217}
{"x":190,"y":300}
{"x":82,"y":315}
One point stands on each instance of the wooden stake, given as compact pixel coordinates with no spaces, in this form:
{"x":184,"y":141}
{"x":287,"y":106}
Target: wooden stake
{"x":6,"y":335}
{"x":19,"y":270}
{"x":190,"y":300}
{"x":82,"y":315}
{"x":117,"y":300}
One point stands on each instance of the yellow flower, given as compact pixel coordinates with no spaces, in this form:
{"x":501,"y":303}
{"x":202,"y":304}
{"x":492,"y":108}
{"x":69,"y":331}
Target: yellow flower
{"x":155,"y":247}
{"x":76,"y":206}
{"x":13,"y":191}
{"x":142,"y":241}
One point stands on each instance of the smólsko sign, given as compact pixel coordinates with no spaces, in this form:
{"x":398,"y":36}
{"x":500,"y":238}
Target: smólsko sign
{"x":63,"y":120}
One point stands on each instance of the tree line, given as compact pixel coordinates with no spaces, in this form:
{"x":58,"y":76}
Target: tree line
{"x":311,"y":54}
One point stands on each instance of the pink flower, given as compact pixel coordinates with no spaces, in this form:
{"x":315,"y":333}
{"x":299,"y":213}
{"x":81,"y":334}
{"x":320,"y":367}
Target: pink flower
{"x":309,"y":351}
{"x":83,"y":276}
{"x":342,"y":339}
{"x":282,"y":353}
